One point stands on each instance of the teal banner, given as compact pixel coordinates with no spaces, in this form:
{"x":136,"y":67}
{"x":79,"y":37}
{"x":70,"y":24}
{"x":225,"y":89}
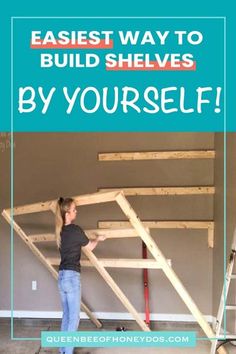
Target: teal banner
{"x":87,"y":67}
{"x":118,"y":339}
{"x":117,"y":74}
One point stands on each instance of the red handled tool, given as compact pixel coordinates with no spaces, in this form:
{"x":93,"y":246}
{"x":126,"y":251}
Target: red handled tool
{"x":146,"y":289}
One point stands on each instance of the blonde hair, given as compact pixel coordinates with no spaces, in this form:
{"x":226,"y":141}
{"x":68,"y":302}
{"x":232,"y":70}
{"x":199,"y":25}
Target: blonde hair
{"x":63,"y":206}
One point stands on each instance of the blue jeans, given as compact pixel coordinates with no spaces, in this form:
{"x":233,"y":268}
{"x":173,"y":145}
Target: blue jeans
{"x":70,"y":293}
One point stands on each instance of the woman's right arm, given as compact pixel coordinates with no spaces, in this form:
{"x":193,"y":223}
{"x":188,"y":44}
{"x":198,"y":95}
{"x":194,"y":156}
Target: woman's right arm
{"x":93,"y":243}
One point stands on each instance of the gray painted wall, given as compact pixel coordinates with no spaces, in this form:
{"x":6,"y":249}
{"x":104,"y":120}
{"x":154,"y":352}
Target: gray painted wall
{"x":50,"y":165}
{"x":218,"y":259}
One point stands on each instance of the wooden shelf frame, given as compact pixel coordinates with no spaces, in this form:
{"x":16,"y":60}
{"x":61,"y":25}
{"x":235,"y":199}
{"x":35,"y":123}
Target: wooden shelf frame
{"x":166,"y":224}
{"x":156,"y":155}
{"x":144,"y":234}
{"x":117,"y":263}
{"x":137,"y":191}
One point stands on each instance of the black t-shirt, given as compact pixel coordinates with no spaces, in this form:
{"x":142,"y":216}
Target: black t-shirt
{"x":72,"y":239}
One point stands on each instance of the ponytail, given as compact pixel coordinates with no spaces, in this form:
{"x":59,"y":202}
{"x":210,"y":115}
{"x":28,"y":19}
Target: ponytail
{"x":58,"y":222}
{"x":63,"y":205}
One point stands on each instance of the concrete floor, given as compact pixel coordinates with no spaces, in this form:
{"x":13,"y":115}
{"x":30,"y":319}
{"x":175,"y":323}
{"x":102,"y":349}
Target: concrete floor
{"x":33,"y":327}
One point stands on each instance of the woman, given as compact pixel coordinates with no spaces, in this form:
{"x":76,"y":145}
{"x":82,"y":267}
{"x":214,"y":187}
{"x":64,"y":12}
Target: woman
{"x":70,"y":238}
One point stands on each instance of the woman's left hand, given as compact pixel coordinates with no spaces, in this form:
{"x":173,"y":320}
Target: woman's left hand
{"x":101,"y":238}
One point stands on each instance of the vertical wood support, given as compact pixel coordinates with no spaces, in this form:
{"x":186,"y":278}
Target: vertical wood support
{"x":210,"y":234}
